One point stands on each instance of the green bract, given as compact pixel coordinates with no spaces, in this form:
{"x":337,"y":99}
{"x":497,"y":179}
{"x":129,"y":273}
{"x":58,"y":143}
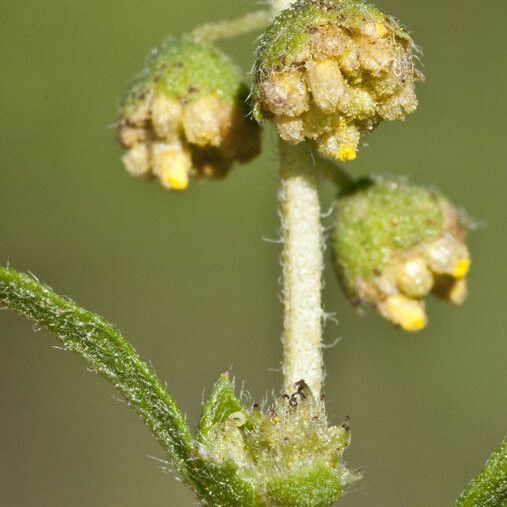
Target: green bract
{"x":331,"y":70}
{"x":185,"y":70}
{"x":395,"y":243}
{"x":185,"y":114}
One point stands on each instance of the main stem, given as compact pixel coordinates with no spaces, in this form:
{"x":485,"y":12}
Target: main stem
{"x":302,"y":268}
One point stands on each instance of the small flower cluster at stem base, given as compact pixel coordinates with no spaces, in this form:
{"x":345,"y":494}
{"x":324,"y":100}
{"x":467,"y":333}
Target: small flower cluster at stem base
{"x":331,"y":70}
{"x":185,"y":115}
{"x":288,"y":452}
{"x":396,"y":243}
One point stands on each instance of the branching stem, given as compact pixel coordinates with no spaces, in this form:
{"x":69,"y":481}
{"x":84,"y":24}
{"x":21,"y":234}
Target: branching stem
{"x":231,"y":28}
{"x":302,"y":267}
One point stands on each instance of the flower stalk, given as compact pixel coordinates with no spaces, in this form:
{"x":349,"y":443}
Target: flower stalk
{"x":211,"y":32}
{"x":302,"y":262}
{"x":302,"y":267}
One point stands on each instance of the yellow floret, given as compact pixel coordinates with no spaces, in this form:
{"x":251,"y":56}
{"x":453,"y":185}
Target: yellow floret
{"x":461,"y":268}
{"x":407,"y":313}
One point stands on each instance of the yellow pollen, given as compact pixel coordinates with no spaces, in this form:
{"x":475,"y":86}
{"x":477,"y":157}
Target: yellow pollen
{"x":413,"y":322}
{"x":276,"y":419}
{"x":178,"y":180}
{"x":346,"y":152}
{"x":381,"y":29}
{"x":461,"y":268}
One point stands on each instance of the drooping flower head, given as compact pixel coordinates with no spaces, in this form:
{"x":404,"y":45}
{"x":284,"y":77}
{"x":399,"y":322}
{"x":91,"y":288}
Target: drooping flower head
{"x":185,"y":114}
{"x":394,"y":244}
{"x":330,"y":70}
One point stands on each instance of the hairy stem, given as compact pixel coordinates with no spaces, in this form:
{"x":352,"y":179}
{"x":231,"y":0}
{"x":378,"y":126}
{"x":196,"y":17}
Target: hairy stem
{"x":489,"y":488}
{"x":280,"y":5}
{"x":107,"y":353}
{"x":231,"y":28}
{"x":302,"y":267}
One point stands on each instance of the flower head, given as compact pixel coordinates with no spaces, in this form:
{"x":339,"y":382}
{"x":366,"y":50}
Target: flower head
{"x":330,"y":70}
{"x":185,"y":114}
{"x":395,"y":243}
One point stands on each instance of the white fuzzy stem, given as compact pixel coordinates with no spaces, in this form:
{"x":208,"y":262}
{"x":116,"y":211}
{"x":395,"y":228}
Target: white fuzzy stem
{"x":302,"y":268}
{"x":280,"y":5}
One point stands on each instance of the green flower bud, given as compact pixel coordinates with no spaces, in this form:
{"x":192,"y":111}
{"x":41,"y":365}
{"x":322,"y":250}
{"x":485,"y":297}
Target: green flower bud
{"x":330,"y":70}
{"x":186,"y":115}
{"x":288,"y":454}
{"x":395,"y":243}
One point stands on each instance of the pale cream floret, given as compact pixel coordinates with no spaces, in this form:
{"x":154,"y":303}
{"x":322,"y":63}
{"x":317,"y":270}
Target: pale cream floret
{"x":286,"y":93}
{"x":326,"y":84}
{"x":448,"y":256}
{"x":349,"y":63}
{"x":172,"y":164}
{"x":358,"y":104}
{"x":376,"y":56}
{"x":166,"y":116}
{"x":137,"y":160}
{"x":140,"y":114}
{"x":131,"y":136}
{"x":413,"y":277}
{"x":290,"y":130}
{"x":205,"y":121}
{"x":399,"y":105}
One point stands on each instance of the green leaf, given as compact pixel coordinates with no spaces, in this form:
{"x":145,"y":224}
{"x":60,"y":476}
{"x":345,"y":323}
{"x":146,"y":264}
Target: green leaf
{"x":108,"y":354}
{"x":489,"y":488}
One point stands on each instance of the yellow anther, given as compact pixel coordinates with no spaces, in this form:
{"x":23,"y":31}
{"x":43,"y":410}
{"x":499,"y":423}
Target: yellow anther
{"x":276,"y":419}
{"x":346,"y":153}
{"x":407,"y":313}
{"x":461,"y":268}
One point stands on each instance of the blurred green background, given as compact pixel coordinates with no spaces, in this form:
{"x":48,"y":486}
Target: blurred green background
{"x":191,"y":281}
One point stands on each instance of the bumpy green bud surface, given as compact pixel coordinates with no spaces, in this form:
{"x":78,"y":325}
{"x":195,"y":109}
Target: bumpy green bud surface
{"x":185,"y":114}
{"x":330,"y":70}
{"x":394,"y":244}
{"x":288,"y":454}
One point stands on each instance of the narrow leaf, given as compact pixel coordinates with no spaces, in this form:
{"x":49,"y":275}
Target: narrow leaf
{"x":108,"y":354}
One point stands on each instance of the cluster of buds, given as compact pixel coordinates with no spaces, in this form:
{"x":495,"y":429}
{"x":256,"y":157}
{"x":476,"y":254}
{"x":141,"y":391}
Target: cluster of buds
{"x":395,"y":243}
{"x":330,"y":70}
{"x":288,"y":452}
{"x":186,"y":115}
